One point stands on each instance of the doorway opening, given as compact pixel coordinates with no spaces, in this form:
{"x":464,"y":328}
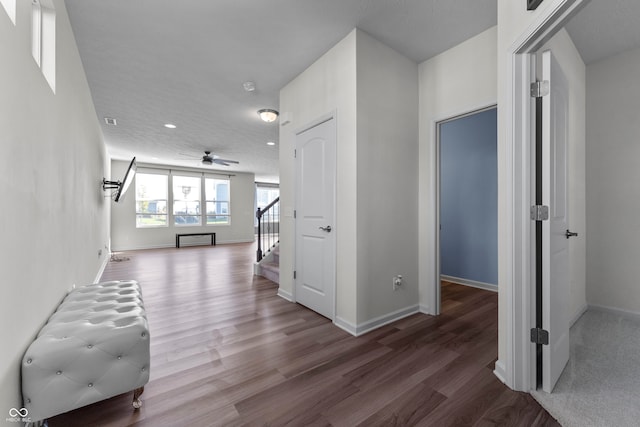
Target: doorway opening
{"x":467,"y":213}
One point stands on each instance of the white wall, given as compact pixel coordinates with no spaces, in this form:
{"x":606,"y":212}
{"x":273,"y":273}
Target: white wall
{"x":125,"y":235}
{"x":460,"y":80}
{"x":387,"y":185}
{"x":613,"y":182}
{"x":327,"y":85}
{"x":361,"y":80}
{"x":55,"y":218}
{"x":574,"y":69}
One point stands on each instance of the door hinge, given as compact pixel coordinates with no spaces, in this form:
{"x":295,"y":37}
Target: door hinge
{"x":294,"y":274}
{"x":540,"y":89}
{"x":539,"y":213}
{"x":295,"y":154}
{"x":539,"y":336}
{"x":294,"y":213}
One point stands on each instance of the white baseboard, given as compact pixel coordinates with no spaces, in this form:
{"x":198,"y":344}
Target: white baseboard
{"x":102,"y":268}
{"x":472,"y":283}
{"x":617,"y":311}
{"x":347,"y":326}
{"x":182,"y":245}
{"x":424,"y":309}
{"x":578,"y":315}
{"x":500,"y":371}
{"x":377,"y":322}
{"x":285,"y":295}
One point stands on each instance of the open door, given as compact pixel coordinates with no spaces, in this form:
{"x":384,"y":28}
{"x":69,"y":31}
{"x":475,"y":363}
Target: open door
{"x":555,"y":233}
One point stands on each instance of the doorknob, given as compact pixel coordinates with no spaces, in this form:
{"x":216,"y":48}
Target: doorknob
{"x":570,"y":234}
{"x":327,"y":228}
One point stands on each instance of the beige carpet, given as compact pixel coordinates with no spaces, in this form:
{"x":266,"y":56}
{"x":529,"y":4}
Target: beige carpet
{"x":600,"y":385}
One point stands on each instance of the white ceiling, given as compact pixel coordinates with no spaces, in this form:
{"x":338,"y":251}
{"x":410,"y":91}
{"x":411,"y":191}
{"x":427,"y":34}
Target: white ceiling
{"x":151,"y":62}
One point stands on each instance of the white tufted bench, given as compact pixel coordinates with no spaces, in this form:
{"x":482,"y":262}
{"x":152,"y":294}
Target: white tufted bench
{"x":95,"y":346}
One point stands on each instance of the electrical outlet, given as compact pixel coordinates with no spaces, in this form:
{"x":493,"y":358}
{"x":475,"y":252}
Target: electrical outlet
{"x":397,"y":282}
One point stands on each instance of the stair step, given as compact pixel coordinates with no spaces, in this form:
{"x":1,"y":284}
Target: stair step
{"x":271,"y":271}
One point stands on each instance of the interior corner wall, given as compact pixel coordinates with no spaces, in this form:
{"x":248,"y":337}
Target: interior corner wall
{"x":612,"y":176}
{"x":387,"y":181}
{"x":458,"y":81}
{"x":574,"y":69}
{"x":55,"y":217}
{"x":126,"y":236}
{"x":327,"y":86}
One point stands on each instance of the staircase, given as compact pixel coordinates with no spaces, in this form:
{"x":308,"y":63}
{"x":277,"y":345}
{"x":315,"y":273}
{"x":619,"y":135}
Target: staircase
{"x":269,"y":266}
{"x":268,"y":253}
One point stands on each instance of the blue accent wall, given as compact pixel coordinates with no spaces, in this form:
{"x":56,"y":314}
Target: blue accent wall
{"x":469,"y":197}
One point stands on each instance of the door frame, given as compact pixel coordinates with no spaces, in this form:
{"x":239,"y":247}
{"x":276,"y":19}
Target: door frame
{"x":438,"y":168}
{"x":516,"y":269}
{"x":310,"y":125}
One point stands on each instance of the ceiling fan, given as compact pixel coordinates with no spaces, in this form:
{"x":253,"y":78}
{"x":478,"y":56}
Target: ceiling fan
{"x":208,"y":159}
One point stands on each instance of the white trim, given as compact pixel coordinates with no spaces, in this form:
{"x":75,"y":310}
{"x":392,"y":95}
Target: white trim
{"x":103,"y":266}
{"x":424,"y":309}
{"x":514,"y":177}
{"x":173,"y":245}
{"x":376,"y":322}
{"x":285,"y":294}
{"x":467,"y":282}
{"x":579,"y":315}
{"x":613,"y":310}
{"x":346,"y":326}
{"x":499,"y":371}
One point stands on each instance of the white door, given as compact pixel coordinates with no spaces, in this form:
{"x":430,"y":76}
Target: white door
{"x":315,"y":225}
{"x":555,"y":270}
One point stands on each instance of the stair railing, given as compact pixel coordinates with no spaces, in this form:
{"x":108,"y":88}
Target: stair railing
{"x":268,"y":227}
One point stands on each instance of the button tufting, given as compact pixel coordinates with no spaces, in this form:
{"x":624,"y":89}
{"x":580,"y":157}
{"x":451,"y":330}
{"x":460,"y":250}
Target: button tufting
{"x":59,"y":373}
{"x":28,"y":361}
{"x":28,"y":400}
{"x":119,"y":357}
{"x":90,"y":384}
{"x":89,"y":346}
{"x":144,"y":334}
{"x":143,"y":369}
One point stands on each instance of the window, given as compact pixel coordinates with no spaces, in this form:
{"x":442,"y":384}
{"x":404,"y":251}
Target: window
{"x":217,"y":195}
{"x":186,"y":200}
{"x":266,"y":193}
{"x":43,"y":38}
{"x":151,"y":200}
{"x":10,"y":8}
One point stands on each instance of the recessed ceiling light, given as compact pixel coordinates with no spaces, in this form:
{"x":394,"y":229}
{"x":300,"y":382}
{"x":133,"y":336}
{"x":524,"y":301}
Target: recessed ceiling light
{"x":170,"y":125}
{"x":110,"y":121}
{"x":249,"y":86}
{"x":271,"y":143}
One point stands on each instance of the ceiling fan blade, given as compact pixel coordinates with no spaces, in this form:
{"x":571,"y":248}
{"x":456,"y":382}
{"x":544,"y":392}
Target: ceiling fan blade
{"x":225,"y":161}
{"x":220,"y":162}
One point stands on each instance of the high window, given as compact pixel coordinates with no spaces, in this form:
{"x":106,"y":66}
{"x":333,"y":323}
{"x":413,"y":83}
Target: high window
{"x":186,"y":200}
{"x":217,"y":196}
{"x":43,"y":38}
{"x":151,"y":200}
{"x":10,"y":8}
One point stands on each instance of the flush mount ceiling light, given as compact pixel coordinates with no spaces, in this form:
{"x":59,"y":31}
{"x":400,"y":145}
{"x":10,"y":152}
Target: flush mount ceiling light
{"x":268,"y":115}
{"x":170,"y":126}
{"x":271,"y":143}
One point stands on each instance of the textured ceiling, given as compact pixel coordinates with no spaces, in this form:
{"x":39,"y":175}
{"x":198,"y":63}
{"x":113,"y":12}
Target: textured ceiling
{"x":606,"y":27}
{"x":150,"y":62}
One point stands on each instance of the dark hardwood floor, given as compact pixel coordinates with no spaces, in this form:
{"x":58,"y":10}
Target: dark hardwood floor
{"x":226,"y":351}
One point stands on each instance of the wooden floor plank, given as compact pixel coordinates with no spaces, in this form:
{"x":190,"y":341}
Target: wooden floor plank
{"x":227,"y":351}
